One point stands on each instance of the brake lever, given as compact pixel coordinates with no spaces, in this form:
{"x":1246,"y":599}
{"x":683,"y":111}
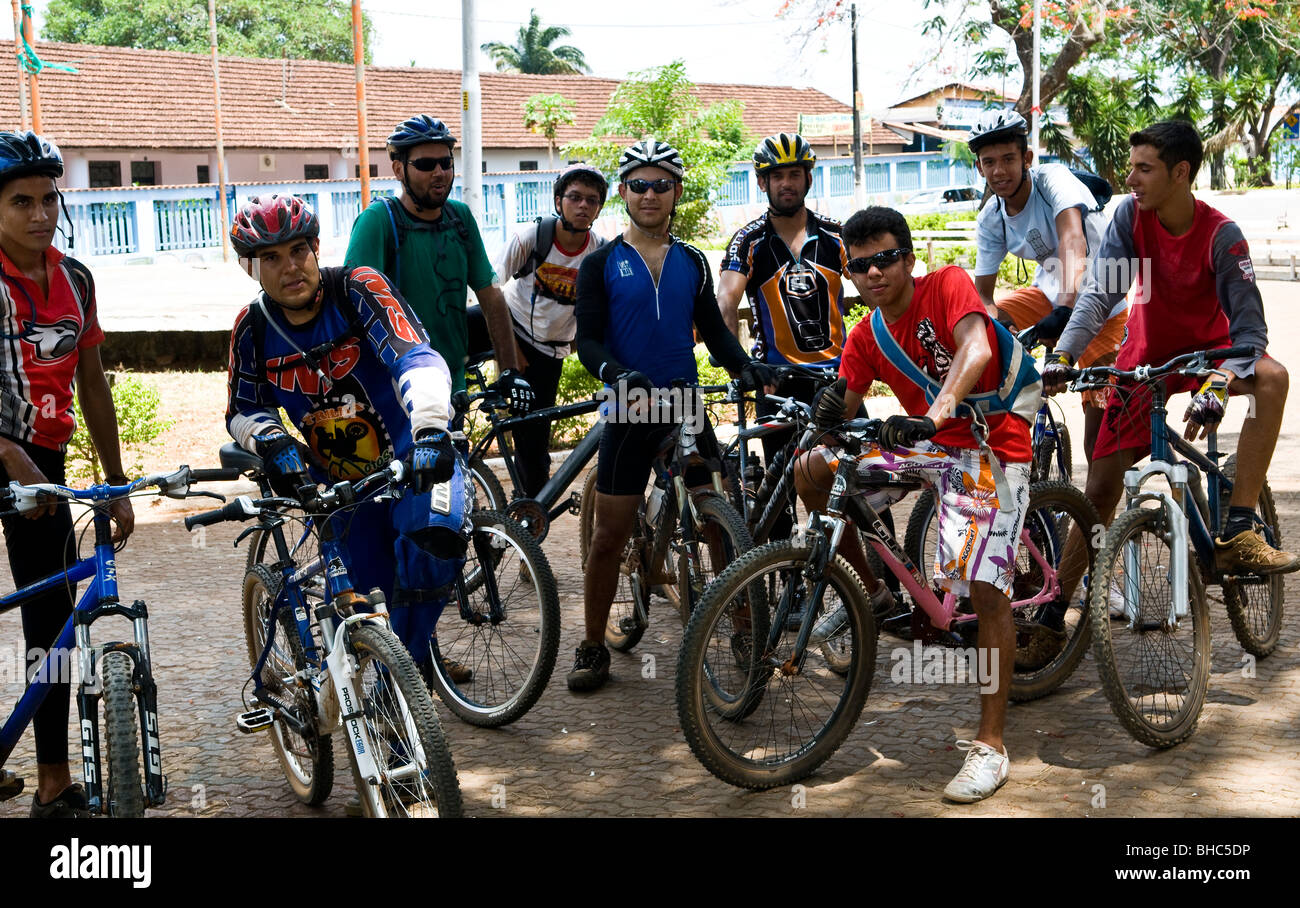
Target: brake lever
{"x":193,"y":494}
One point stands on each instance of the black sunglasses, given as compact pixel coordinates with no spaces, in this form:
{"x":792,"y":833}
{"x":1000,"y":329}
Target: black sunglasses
{"x":659,"y":186}
{"x":425,"y":165}
{"x":881,"y":260}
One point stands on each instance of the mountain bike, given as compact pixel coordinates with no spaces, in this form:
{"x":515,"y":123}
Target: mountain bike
{"x":120,"y":781}
{"x":1154,"y":659}
{"x":683,"y":536}
{"x":762,"y":705}
{"x":323,"y":659}
{"x":502,"y":623}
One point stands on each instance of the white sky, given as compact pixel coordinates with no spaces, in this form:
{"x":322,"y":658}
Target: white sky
{"x":720,"y":40}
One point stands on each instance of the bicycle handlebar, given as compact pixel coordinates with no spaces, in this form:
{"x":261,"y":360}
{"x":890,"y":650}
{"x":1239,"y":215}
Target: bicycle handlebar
{"x":1199,"y":360}
{"x":34,"y":496}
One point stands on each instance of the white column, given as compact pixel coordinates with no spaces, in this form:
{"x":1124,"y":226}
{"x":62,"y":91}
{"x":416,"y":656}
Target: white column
{"x":471,"y":116}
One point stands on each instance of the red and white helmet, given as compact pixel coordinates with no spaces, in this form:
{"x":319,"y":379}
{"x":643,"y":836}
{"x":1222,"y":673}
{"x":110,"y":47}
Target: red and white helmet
{"x":270,"y":220}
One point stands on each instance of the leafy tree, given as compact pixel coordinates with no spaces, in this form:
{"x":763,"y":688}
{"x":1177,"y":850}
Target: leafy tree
{"x":532,"y":51}
{"x":245,"y":28}
{"x":1101,"y":113}
{"x":661,"y":102}
{"x":544,"y":115}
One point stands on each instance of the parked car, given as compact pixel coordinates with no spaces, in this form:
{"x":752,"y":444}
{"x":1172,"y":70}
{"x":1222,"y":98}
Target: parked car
{"x":952,"y":199}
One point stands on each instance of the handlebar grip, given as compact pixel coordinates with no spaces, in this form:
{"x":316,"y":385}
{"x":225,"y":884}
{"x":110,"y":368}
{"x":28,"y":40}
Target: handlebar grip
{"x":222,"y":474}
{"x":1232,"y":352}
{"x":233,"y":511}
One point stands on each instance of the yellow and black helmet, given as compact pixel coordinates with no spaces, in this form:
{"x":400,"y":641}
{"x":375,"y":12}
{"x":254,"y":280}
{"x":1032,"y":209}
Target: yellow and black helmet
{"x":784,"y":149}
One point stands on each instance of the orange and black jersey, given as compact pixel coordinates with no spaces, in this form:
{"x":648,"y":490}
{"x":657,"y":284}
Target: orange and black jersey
{"x":798,"y":301}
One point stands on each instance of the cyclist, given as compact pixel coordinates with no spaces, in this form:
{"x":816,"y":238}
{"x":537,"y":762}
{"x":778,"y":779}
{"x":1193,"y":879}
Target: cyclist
{"x":639,"y":298}
{"x":1044,"y":213}
{"x":345,"y":357}
{"x":541,"y":289}
{"x":429,"y":247}
{"x":939,"y":323}
{"x":52,"y":339}
{"x":1197,"y":292}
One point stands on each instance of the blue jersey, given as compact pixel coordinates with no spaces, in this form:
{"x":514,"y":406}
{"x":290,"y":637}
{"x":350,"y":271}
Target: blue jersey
{"x":377,"y":381}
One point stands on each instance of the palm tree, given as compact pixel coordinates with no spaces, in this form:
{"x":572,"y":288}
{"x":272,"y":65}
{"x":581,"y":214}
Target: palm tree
{"x":532,"y":52}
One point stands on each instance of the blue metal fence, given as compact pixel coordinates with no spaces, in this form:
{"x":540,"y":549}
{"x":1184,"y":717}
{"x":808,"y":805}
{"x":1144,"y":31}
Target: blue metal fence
{"x":841,"y":179}
{"x":736,"y":190}
{"x":186,"y":223}
{"x":937,"y":174}
{"x":876,"y":178}
{"x":909,"y":175}
{"x":531,"y":199}
{"x":102,"y":228}
{"x":347,"y":205}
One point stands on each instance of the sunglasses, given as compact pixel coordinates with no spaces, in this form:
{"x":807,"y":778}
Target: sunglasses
{"x":881,"y":260}
{"x":426,"y":165}
{"x":578,"y":198}
{"x":659,"y":186}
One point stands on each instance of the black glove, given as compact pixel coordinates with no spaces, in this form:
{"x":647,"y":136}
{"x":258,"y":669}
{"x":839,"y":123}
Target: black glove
{"x":285,"y":461}
{"x":432,"y":460}
{"x":1058,"y":370}
{"x":756,"y":376}
{"x":828,"y":404}
{"x":518,"y":393}
{"x":1050,"y":326}
{"x":632,"y":379}
{"x":905,"y":431}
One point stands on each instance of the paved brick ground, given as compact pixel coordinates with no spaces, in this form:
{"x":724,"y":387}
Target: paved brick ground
{"x":619,"y":752}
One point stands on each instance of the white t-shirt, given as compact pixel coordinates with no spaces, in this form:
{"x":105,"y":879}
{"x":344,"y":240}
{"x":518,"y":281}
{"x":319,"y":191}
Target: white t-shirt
{"x":545,"y":319}
{"x":1031,"y":234}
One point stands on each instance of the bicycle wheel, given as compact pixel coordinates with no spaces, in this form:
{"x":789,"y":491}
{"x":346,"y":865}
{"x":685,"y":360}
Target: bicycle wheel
{"x":507,"y":632}
{"x":721,"y":539}
{"x":586,"y":514}
{"x":417,"y":777}
{"x":1255,"y":603}
{"x":488,"y":493}
{"x":121,"y":720}
{"x":1155,"y":673}
{"x":1051,"y":637}
{"x":771,"y":720}
{"x":1050,"y":453}
{"x":306,"y":756}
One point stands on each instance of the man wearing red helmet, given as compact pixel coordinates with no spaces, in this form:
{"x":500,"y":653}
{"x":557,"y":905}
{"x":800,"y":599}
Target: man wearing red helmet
{"x":347,"y":360}
{"x":52,"y":338}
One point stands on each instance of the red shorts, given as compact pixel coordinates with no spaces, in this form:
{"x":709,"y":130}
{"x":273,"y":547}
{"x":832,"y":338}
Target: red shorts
{"x":1126,"y":421}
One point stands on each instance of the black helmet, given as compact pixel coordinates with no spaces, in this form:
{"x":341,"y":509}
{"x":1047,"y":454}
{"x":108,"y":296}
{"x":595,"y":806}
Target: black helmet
{"x":785,"y":149}
{"x":573,"y":171}
{"x":24,"y":154}
{"x":418,"y":130}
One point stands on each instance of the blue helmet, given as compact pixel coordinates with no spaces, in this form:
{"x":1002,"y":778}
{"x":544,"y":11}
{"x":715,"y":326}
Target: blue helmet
{"x":25,"y":154}
{"x":418,"y":130}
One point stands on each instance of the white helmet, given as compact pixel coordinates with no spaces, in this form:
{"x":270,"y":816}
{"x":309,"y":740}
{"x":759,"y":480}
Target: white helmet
{"x":652,"y":153}
{"x":993,"y":125}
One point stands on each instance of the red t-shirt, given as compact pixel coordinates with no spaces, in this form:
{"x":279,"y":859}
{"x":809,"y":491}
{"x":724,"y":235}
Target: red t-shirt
{"x":45,"y":336}
{"x":925,"y":332}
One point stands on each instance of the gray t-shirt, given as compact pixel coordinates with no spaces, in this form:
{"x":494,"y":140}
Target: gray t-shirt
{"x":1031,"y":234}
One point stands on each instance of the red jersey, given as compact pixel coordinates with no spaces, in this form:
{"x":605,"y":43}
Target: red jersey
{"x":43,"y":339}
{"x":925,"y":332}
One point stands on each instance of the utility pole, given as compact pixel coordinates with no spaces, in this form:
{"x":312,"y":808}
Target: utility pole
{"x":859,"y":190}
{"x":36,"y":92}
{"x":471,"y":114}
{"x":1038,"y":27}
{"x":221,"y":145}
{"x":18,"y":56}
{"x":363,"y":140}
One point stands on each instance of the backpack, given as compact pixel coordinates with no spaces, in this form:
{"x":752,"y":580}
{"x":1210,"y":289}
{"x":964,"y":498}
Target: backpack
{"x":1098,"y":186}
{"x":399,"y":232}
{"x":311,"y":358}
{"x":541,"y":248}
{"x":1020,"y":391}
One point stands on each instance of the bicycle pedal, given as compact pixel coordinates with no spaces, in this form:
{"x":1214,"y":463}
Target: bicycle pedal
{"x":10,"y":785}
{"x":255,"y":720}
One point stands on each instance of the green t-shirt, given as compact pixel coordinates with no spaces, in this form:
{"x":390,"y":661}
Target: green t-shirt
{"x":438,"y":269}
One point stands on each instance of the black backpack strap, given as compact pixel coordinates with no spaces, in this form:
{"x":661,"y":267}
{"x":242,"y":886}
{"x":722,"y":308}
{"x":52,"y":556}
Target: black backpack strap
{"x":455,"y":221}
{"x":541,"y":248}
{"x":389,"y":203}
{"x":257,"y":315}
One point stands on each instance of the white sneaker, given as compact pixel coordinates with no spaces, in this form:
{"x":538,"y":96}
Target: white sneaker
{"x":1116,"y":599}
{"x":984,"y":772}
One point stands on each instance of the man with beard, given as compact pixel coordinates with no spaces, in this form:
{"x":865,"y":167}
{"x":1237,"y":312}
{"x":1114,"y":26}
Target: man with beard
{"x":641,"y":297}
{"x":429,"y":246}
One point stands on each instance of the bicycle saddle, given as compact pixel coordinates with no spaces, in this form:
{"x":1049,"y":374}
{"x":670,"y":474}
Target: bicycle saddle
{"x":235,"y":457}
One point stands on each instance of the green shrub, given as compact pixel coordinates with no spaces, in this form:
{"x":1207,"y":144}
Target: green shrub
{"x":137,"y":425}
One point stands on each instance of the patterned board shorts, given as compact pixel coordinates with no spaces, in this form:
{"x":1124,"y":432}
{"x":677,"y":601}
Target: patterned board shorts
{"x":978,"y":534}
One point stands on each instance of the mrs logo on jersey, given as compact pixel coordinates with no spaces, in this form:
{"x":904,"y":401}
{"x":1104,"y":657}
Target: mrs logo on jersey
{"x":52,"y":342}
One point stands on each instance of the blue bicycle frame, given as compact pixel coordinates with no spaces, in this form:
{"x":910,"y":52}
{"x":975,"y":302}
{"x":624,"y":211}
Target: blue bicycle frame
{"x":99,"y":600}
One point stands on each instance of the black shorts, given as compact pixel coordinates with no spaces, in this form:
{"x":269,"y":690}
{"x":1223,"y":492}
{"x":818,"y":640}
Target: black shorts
{"x":627,"y":451}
